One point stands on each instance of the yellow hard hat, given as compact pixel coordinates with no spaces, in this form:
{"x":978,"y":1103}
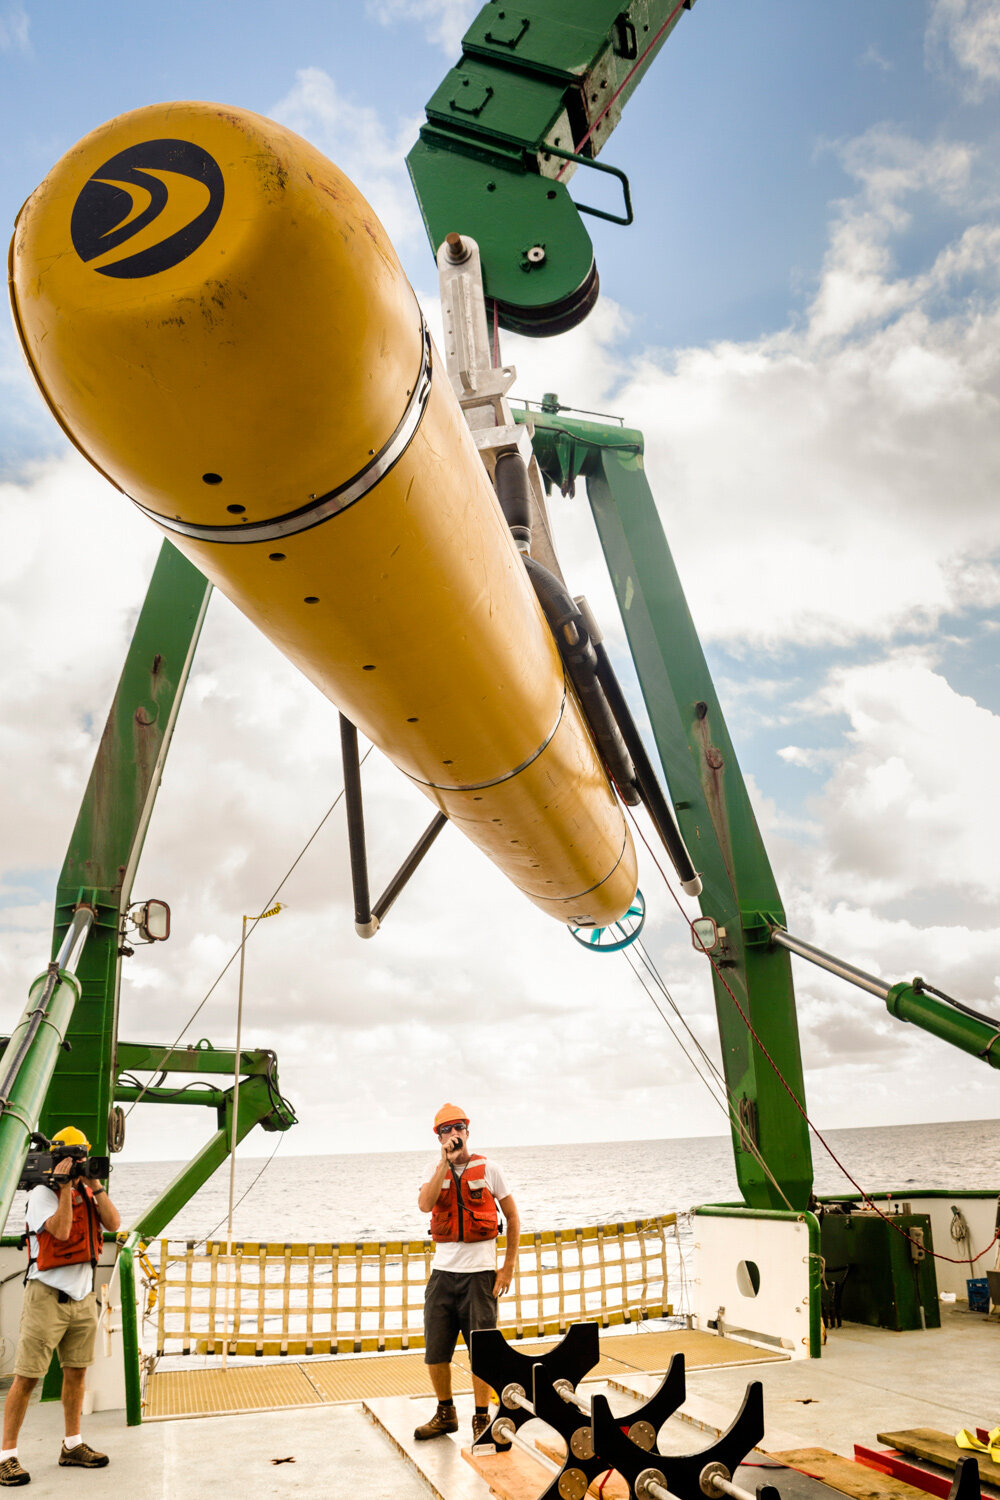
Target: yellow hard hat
{"x":70,"y":1136}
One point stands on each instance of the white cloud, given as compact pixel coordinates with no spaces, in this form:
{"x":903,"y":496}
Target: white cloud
{"x":909,"y":808}
{"x":444,"y":22}
{"x":254,"y":765}
{"x":836,"y":481}
{"x":872,"y":58}
{"x":15,"y":27}
{"x":967,"y":33}
{"x":830,"y":484}
{"x":354,"y":137}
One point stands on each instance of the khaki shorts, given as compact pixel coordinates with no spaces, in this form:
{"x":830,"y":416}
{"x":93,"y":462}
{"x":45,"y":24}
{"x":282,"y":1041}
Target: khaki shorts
{"x":48,"y":1324}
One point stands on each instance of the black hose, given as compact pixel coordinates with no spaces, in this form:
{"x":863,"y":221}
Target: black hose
{"x":577,"y":650}
{"x":967,"y":1010}
{"x":646,"y":778}
{"x":513,"y":487}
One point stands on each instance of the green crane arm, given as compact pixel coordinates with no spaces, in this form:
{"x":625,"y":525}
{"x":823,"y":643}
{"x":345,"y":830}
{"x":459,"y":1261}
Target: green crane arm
{"x":536,"y":94}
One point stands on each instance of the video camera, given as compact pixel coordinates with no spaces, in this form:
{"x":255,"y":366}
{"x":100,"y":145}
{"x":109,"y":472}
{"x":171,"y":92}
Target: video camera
{"x":40,"y":1163}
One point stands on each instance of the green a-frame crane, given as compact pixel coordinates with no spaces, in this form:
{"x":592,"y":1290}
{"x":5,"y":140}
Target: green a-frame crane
{"x":533,"y":99}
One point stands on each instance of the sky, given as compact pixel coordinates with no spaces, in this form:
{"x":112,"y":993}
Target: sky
{"x":804,"y":321}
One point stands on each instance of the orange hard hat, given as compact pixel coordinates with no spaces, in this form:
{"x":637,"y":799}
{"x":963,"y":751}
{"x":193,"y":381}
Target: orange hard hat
{"x":448,"y":1114}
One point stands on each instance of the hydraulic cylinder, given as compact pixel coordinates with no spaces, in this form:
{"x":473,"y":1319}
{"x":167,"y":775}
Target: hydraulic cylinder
{"x":25,"y":1092}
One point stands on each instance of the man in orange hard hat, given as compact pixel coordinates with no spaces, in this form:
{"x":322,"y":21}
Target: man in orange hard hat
{"x":64,"y":1231}
{"x":464,"y":1195}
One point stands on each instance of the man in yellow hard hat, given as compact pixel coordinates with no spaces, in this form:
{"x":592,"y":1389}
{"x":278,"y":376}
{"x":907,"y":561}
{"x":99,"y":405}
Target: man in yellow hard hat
{"x":64,"y":1231}
{"x":462,"y":1194}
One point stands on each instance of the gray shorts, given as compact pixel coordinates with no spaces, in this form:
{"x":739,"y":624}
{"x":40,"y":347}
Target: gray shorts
{"x":456,"y":1302}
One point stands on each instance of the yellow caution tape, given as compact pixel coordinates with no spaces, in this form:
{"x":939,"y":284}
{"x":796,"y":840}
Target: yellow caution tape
{"x":272,"y":912}
{"x":152,"y":1282}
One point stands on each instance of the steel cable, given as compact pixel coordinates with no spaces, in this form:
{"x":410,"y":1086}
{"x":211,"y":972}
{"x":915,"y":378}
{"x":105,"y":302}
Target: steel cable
{"x":866,"y":1197}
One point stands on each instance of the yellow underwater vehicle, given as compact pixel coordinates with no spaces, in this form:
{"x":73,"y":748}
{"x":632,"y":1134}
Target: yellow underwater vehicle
{"x":220,"y":324}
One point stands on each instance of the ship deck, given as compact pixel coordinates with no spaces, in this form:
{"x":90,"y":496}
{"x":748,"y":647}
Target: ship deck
{"x":868,"y":1381}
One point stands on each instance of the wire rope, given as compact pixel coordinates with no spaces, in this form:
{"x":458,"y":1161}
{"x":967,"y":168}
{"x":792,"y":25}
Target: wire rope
{"x":865,"y":1197}
{"x":236,"y":951}
{"x":727,"y":1105}
{"x":245,"y":1194}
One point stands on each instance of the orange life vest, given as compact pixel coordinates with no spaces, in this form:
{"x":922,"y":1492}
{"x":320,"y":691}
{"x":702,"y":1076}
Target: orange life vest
{"x":84,"y":1242}
{"x":465,"y":1207}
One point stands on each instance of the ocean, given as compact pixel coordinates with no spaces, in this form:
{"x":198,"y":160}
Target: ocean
{"x":374,"y":1197}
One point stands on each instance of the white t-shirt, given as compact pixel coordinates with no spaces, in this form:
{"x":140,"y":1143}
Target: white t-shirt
{"x":76,"y":1281}
{"x":470,"y":1255}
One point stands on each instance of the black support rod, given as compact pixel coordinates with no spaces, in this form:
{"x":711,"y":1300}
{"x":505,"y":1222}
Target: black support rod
{"x":367,"y":918}
{"x":408,"y":866}
{"x":356,"y":828}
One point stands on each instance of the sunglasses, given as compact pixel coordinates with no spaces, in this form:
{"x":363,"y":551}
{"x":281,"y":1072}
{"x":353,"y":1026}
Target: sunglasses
{"x":447,"y":1129}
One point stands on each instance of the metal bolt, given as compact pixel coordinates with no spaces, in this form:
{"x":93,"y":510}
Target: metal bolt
{"x":643,"y":1434}
{"x":535,"y":255}
{"x":458,"y":250}
{"x":581,"y":1444}
{"x":572,"y":1484}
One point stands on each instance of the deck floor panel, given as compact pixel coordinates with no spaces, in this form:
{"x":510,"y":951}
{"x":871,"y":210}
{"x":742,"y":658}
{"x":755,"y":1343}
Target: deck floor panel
{"x":239,"y":1388}
{"x":701,"y":1351}
{"x":270,"y":1385}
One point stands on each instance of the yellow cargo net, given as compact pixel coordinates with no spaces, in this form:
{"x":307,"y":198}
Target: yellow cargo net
{"x":303,"y":1299}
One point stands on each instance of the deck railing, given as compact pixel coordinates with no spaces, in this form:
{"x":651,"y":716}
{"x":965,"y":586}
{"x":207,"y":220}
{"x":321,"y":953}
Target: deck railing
{"x":302,"y":1299}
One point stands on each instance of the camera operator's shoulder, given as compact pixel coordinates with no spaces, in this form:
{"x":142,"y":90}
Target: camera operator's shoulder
{"x":41,"y":1203}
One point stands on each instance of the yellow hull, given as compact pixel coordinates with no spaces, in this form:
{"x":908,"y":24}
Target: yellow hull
{"x":220,"y":324}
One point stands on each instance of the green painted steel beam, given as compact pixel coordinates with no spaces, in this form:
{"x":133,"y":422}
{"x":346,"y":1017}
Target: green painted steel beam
{"x":256,"y":1106}
{"x":107,"y":840}
{"x":143,"y":1057}
{"x":128,"y":1250}
{"x":752,"y":981}
{"x":536,"y":94}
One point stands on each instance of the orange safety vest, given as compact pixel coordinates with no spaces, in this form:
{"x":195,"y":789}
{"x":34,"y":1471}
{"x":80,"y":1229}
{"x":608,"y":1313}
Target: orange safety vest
{"x":84,"y":1242}
{"x":465,"y":1207}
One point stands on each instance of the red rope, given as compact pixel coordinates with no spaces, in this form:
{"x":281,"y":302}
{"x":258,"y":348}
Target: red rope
{"x":866,"y":1197}
{"x":630,"y":74}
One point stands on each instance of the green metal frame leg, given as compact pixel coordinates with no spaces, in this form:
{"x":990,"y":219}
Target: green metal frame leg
{"x":711,"y":803}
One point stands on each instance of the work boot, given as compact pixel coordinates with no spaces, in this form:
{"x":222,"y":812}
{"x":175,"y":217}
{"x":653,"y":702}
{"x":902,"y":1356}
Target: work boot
{"x":12,"y":1473}
{"x":83,"y":1457}
{"x":481,"y":1423}
{"x":444,"y":1420}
